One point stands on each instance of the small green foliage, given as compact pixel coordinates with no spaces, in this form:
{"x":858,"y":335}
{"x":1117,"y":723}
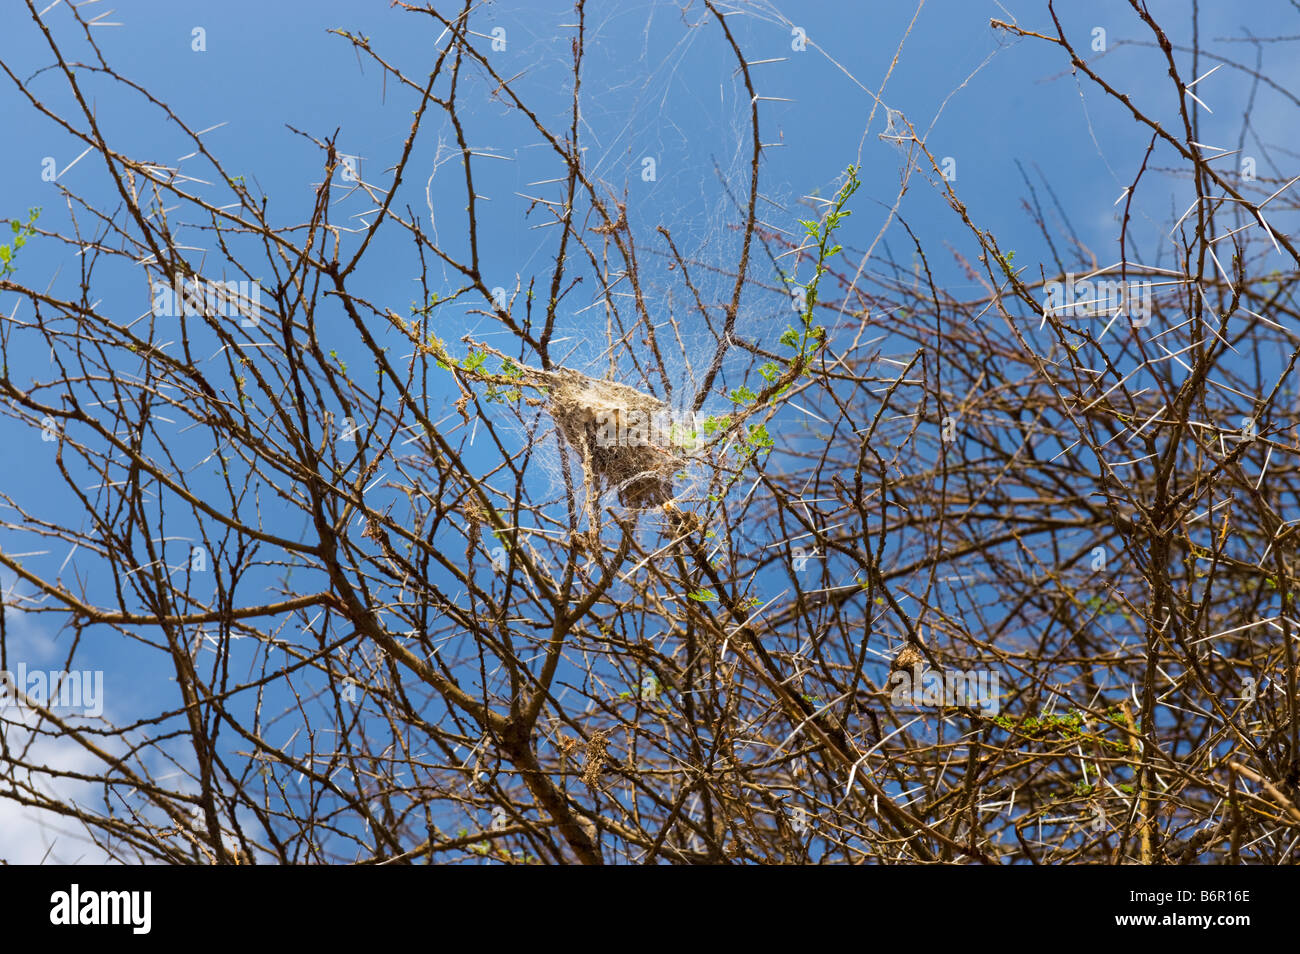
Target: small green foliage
{"x":21,"y":232}
{"x":1103,"y":606}
{"x":715,"y":424}
{"x":1069,"y":726}
{"x":682,"y":436}
{"x":508,"y":370}
{"x":1098,"y":605}
{"x":821,"y":233}
{"x":703,"y":596}
{"x":1005,"y":259}
{"x":758,"y":437}
{"x":438,"y":348}
{"x":427,"y":307}
{"x":805,"y":340}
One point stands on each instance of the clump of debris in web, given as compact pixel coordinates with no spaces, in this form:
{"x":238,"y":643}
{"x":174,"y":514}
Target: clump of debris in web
{"x":596,"y":417}
{"x":618,"y":431}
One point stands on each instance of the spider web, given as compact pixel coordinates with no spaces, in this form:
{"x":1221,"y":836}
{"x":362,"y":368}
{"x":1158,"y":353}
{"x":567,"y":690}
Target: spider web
{"x":665,"y":131}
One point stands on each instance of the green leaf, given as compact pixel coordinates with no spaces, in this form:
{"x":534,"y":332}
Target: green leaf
{"x":703,"y":596}
{"x":714,"y":423}
{"x":759,"y":437}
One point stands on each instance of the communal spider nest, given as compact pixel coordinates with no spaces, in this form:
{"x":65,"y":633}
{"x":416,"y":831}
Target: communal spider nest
{"x":596,"y":416}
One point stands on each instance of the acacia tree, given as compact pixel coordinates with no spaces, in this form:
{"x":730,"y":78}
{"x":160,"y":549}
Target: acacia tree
{"x":401,"y":588}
